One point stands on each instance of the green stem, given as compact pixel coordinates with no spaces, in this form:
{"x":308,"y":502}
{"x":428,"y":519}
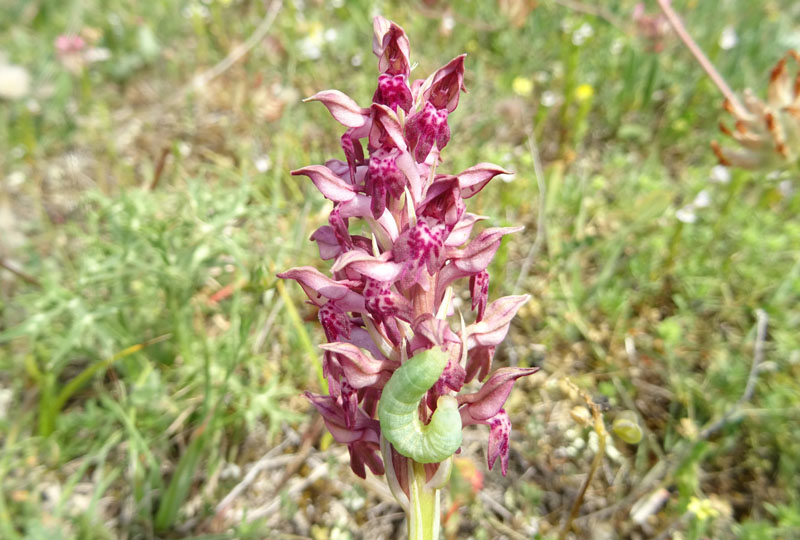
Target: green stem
{"x":423,"y":511}
{"x":672,"y":252}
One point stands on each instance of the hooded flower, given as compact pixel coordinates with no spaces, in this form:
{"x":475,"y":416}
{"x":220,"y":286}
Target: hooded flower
{"x":389,"y":296}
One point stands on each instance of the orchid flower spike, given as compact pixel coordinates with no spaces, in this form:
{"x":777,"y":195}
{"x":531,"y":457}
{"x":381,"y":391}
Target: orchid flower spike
{"x":397,"y":353}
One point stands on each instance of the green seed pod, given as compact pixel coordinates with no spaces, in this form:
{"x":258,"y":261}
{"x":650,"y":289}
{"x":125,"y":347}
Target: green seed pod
{"x":626,"y":427}
{"x":399,"y":405}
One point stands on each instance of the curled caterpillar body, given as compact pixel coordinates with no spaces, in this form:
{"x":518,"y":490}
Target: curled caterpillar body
{"x":399,"y":417}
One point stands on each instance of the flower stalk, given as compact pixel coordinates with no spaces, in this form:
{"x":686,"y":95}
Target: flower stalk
{"x":699,"y":55}
{"x":423,"y":515}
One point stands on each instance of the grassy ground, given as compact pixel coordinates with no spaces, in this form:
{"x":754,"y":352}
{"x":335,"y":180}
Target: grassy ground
{"x":149,"y":358}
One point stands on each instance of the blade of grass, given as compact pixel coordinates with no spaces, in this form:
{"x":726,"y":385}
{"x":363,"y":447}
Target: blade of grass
{"x":79,"y":380}
{"x":181,"y":481}
{"x":301,"y":332}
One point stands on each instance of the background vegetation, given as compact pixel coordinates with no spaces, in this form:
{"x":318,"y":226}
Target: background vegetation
{"x":151,"y":365}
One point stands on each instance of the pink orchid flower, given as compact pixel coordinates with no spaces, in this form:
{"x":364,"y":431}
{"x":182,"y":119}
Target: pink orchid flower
{"x":389,"y":296}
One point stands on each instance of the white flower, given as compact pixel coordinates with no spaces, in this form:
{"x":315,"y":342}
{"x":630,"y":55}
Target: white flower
{"x":15,"y":179}
{"x":720,"y":174}
{"x":310,"y":49}
{"x":549,"y":98}
{"x":448,"y":23}
{"x":584,"y":32}
{"x":728,"y":38}
{"x":5,"y":401}
{"x":15,"y":81}
{"x":686,"y":214}
{"x":702,"y":200}
{"x":263,"y":164}
{"x":97,"y":54}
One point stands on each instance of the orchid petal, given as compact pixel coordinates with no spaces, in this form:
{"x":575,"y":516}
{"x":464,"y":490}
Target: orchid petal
{"x":382,"y":302}
{"x":497,"y":319}
{"x":330,"y":185}
{"x":334,"y":321}
{"x":343,"y":108}
{"x":479,"y":362}
{"x":405,"y":162}
{"x":426,"y":127}
{"x":326,"y":241}
{"x":499,"y":435}
{"x":393,"y":91}
{"x":390,"y":44}
{"x":353,"y":153}
{"x":384,"y":179}
{"x":435,"y":331}
{"x":361,"y":369}
{"x":480,"y":252}
{"x":317,"y":285}
{"x":487,"y":401}
{"x":361,"y":206}
{"x":479,"y":288}
{"x":420,"y":246}
{"x":446,"y":84}
{"x":476,"y":177}
{"x":386,"y":128}
{"x":463,"y":229}
{"x":377,"y":268}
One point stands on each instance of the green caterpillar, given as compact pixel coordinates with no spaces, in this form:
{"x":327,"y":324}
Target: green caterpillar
{"x":399,"y":405}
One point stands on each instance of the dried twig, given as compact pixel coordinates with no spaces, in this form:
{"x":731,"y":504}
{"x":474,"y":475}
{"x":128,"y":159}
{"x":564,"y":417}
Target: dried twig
{"x":202,"y":79}
{"x":758,"y":354}
{"x":159,"y":170}
{"x":248,"y":479}
{"x":602,"y":434}
{"x":321,"y":469}
{"x":495,"y":505}
{"x":505,"y":529}
{"x":702,"y":59}
{"x":541,"y":219}
{"x":14,"y":269}
{"x":310,"y":436}
{"x":239,"y":51}
{"x":274,"y":505}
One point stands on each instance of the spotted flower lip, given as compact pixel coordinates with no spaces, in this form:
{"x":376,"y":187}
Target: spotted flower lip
{"x":400,"y":238}
{"x":426,"y":128}
{"x":486,"y":407}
